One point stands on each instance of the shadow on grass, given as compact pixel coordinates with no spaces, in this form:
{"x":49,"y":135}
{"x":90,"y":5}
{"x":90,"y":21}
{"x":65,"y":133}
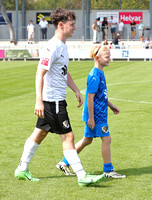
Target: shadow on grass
{"x":130,"y":171}
{"x":64,"y":176}
{"x":59,"y":176}
{"x":136,"y":171}
{"x":97,"y":185}
{"x":127,"y":172}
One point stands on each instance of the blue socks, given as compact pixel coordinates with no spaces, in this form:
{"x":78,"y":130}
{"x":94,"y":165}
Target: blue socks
{"x":65,"y":161}
{"x":108,"y":167}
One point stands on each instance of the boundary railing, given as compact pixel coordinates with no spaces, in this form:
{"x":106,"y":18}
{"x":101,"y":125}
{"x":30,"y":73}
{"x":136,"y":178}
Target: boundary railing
{"x":76,"y":52}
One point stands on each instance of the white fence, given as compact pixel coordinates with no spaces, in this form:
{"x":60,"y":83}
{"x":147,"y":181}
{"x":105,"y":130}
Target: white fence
{"x":76,"y":52}
{"x":116,"y":54}
{"x":131,"y":54}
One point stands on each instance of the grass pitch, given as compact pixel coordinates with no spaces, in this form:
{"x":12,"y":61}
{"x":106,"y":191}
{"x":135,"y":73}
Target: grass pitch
{"x":129,"y":87}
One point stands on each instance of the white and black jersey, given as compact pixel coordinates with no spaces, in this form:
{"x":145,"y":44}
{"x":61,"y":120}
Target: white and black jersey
{"x":55,"y":59}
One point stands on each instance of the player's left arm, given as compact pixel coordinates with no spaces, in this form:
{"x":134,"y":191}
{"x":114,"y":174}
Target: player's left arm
{"x":113,"y":108}
{"x":73,"y":87}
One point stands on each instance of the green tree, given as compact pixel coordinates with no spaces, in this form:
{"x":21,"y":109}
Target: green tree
{"x":10,"y":4}
{"x":136,"y":4}
{"x":45,"y":5}
{"x":115,"y":4}
{"x":104,"y":4}
{"x":50,"y":4}
{"x":77,"y":4}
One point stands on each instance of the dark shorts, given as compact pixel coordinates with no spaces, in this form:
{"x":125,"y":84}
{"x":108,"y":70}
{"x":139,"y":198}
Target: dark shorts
{"x":56,"y":118}
{"x":113,"y":30}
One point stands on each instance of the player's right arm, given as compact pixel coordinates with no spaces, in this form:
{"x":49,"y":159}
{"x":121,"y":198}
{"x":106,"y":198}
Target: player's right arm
{"x":39,"y":106}
{"x":93,"y":82}
{"x":91,"y":122}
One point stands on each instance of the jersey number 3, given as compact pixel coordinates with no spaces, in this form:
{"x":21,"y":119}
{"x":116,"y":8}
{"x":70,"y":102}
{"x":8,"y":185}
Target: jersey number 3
{"x":64,"y":70}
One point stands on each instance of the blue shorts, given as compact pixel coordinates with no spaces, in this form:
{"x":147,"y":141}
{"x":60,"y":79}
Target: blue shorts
{"x":100,"y":130}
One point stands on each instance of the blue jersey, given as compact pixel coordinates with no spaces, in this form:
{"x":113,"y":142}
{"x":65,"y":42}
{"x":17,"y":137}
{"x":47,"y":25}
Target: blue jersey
{"x":96,"y":84}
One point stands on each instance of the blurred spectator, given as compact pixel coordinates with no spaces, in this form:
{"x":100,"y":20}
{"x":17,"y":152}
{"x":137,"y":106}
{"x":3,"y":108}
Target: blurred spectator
{"x":116,"y":40}
{"x":105,"y":42}
{"x":121,"y":28}
{"x":98,"y":30}
{"x":113,"y":24}
{"x":123,"y":46}
{"x":95,"y":29}
{"x":105,"y":28}
{"x":147,"y":43}
{"x":30,"y":30}
{"x":141,"y":29}
{"x":43,"y":25}
{"x":133,"y":29}
{"x":110,"y":47}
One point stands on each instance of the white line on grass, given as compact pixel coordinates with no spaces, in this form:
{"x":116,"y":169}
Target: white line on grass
{"x":131,"y":101}
{"x":128,"y":82}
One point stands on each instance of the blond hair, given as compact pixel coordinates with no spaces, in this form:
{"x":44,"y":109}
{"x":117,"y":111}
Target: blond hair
{"x":97,"y":49}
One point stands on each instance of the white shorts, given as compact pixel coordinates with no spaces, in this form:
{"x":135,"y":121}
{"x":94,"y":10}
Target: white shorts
{"x":30,"y":35}
{"x":141,"y":33}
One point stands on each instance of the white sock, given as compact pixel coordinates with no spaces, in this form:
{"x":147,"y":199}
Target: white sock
{"x":30,"y":148}
{"x":74,"y":161}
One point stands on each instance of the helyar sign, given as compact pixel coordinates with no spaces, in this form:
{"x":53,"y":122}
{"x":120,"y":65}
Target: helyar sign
{"x":127,"y":17}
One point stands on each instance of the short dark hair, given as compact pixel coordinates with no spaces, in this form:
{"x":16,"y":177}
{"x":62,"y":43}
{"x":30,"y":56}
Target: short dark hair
{"x":98,"y":19}
{"x":62,"y":15}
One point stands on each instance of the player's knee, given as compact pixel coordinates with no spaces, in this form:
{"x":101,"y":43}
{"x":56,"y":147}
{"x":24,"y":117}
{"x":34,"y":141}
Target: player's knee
{"x":109,"y":140}
{"x":38,"y":135}
{"x":87,"y":141}
{"x":43,"y":134}
{"x":106,"y":140}
{"x":70,"y":137}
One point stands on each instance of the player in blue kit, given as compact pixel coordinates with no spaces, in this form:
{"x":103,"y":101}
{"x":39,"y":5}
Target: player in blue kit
{"x":95,"y":113}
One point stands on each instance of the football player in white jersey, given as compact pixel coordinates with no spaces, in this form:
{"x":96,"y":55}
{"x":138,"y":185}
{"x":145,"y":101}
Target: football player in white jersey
{"x":52,"y":78}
